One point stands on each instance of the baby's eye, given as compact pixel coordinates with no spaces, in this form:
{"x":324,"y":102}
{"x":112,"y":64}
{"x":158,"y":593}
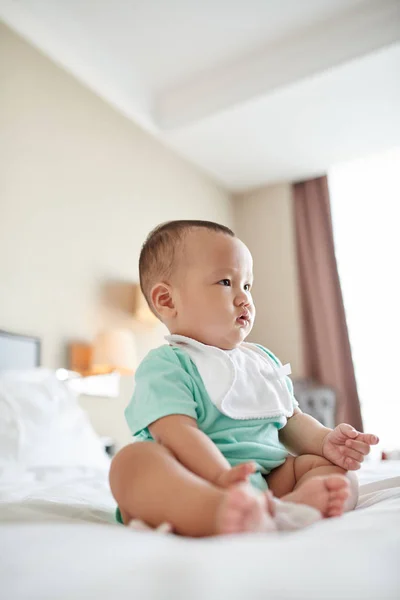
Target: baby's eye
{"x":247,"y":287}
{"x":225,"y":282}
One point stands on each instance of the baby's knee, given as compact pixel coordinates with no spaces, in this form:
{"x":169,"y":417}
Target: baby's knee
{"x":128,"y":462}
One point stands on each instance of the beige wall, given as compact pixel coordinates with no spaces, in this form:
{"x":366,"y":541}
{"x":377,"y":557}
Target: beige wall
{"x":80,"y":187}
{"x":264,"y":221}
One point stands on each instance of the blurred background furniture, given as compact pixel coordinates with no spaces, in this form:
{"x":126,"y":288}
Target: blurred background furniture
{"x":316,"y":400}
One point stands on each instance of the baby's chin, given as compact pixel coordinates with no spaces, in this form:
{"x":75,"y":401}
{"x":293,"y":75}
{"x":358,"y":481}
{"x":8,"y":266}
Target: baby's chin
{"x":225,"y":340}
{"x":230,"y":341}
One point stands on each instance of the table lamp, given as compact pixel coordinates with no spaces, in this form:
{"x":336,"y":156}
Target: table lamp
{"x":114,"y":350}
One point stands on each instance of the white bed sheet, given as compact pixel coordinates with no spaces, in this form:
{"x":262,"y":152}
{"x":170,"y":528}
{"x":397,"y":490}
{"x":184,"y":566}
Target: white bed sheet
{"x":58,"y":540}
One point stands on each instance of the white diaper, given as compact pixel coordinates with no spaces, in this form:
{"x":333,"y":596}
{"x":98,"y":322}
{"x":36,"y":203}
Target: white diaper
{"x":244,"y":383}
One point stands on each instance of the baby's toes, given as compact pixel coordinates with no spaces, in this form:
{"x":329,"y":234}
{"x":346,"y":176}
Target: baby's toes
{"x":336,"y":502}
{"x":336,"y":505}
{"x":232,"y":521}
{"x":340,"y":495}
{"x":335,"y":511}
{"x":237,"y":509}
{"x":337,"y":483}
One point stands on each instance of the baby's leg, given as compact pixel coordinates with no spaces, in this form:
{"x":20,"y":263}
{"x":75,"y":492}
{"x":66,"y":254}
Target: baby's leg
{"x":315,"y":481}
{"x":149,"y":484}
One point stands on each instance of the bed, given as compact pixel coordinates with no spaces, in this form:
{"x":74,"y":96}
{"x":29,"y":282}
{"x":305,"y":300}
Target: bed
{"x":59,"y":538}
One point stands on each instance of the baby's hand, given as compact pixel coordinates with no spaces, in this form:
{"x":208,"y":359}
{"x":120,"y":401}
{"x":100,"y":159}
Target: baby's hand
{"x":235,"y":475}
{"x":346,"y":447}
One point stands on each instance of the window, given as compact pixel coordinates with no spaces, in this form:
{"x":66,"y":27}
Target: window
{"x":365,"y":197}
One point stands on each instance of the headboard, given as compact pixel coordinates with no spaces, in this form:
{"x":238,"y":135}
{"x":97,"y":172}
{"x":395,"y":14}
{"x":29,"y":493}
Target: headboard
{"x":18,"y":351}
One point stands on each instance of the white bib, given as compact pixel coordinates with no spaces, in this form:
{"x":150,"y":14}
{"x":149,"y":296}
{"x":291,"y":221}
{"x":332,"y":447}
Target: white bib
{"x":244,"y":383}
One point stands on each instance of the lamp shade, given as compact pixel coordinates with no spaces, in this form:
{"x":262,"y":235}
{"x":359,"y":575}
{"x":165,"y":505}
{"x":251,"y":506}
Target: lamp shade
{"x":114,"y":350}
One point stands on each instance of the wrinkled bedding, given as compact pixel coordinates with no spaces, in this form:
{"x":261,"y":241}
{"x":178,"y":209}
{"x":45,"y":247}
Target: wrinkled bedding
{"x":60,"y":540}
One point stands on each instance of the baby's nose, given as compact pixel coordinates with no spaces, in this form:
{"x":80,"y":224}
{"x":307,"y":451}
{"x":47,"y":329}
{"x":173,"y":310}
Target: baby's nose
{"x":242,"y":299}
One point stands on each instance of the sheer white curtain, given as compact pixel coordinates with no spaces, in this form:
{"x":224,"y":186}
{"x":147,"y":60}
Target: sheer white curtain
{"x":365,"y":198}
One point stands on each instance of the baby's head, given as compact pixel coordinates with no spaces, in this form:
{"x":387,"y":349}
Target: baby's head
{"x":196,"y":277}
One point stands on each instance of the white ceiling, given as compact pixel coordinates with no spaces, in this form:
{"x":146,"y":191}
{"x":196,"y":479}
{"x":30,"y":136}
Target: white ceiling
{"x":251,"y":91}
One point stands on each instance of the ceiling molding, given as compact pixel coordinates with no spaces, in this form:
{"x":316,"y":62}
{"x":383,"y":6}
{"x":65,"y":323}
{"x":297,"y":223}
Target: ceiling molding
{"x":295,"y":132}
{"x":368,"y":27}
{"x":329,"y":92}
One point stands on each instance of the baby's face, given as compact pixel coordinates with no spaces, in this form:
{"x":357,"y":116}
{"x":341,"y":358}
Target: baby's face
{"x":212,"y":290}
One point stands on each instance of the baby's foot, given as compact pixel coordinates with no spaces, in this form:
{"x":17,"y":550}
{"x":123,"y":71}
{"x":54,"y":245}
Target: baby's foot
{"x":328,"y":494}
{"x":243,"y":510}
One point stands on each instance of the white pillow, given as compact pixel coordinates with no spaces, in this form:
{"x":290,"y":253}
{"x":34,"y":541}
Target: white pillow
{"x":42,"y":424}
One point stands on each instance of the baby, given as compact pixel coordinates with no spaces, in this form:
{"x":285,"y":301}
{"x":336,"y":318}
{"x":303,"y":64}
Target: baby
{"x":218,"y":430}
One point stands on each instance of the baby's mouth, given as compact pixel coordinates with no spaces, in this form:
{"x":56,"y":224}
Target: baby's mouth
{"x":244,"y":319}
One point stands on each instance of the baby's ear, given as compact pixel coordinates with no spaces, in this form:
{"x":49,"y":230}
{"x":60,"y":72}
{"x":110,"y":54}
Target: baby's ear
{"x":161,"y":297}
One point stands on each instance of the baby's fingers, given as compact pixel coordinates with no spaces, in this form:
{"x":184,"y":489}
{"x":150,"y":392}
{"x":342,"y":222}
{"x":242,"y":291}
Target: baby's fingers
{"x":353,"y":455}
{"x":361,"y":447}
{"x":368,"y":438}
{"x":348,"y":430}
{"x":248,"y":467}
{"x":242,"y":471}
{"x":351,"y":465}
{"x":236,"y":474}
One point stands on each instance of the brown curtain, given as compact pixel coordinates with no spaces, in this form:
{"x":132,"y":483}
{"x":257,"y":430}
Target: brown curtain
{"x":326,"y":341}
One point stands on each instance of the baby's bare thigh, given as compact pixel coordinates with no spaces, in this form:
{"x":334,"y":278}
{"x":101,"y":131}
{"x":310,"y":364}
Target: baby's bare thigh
{"x":283,"y":479}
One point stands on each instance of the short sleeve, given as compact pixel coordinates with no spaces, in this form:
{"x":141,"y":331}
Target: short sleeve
{"x":162,"y":387}
{"x":287,"y":379}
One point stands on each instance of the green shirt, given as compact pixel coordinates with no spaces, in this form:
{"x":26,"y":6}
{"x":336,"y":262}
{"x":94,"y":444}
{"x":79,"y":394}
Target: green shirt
{"x":168,"y":383}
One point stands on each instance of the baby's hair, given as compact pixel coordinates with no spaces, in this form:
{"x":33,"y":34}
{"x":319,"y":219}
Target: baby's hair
{"x":158,"y":254}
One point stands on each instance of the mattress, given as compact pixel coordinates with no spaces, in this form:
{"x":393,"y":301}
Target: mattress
{"x":59,"y":541}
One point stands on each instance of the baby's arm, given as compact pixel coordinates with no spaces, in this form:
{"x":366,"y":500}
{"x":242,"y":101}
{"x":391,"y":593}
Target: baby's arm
{"x":303,"y":434}
{"x":195,"y":450}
